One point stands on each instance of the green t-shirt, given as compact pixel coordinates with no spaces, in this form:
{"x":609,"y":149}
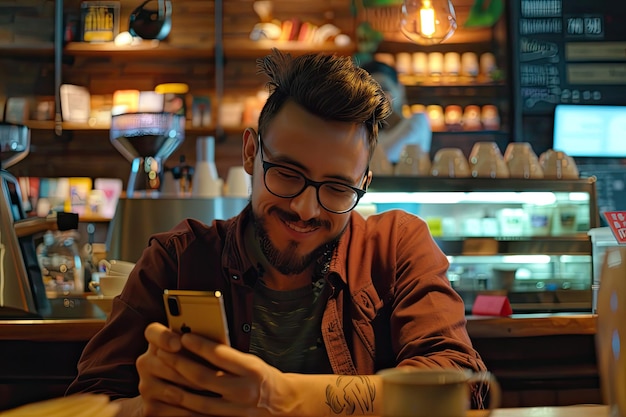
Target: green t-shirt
{"x":286,"y":328}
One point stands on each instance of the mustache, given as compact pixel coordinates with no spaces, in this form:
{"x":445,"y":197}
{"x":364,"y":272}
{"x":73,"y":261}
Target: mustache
{"x":294,"y":218}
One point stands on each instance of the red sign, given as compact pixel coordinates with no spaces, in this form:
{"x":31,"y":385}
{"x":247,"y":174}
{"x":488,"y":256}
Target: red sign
{"x":492,"y":305}
{"x":617,"y":223}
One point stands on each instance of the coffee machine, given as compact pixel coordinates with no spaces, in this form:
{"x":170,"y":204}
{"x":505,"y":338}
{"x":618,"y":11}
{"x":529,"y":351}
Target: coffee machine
{"x":22,"y":293}
{"x":22,"y":290}
{"x":146,"y":140}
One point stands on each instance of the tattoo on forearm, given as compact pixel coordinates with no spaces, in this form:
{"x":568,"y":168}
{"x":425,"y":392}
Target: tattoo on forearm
{"x":351,"y":394}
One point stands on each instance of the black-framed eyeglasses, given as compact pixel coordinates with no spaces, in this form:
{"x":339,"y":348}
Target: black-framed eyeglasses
{"x":286,"y":182}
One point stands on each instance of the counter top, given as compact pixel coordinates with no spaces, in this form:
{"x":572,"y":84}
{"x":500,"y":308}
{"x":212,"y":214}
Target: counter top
{"x":517,"y":325}
{"x":526,"y":325}
{"x":584,"y":410}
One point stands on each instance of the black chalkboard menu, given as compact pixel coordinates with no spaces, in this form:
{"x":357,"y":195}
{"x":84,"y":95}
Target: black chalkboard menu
{"x":568,"y":51}
{"x":610,"y":187}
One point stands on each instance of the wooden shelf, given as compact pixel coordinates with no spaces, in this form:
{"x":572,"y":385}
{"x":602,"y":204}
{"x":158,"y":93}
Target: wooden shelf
{"x":49,"y":125}
{"x":146,"y":49}
{"x":241,"y":48}
{"x":32,"y":49}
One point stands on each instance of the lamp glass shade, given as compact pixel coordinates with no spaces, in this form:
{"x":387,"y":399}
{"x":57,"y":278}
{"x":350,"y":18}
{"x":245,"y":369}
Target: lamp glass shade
{"x":428,"y":22}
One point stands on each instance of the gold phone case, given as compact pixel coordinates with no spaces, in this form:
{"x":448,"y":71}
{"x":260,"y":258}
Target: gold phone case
{"x":198,"y":312}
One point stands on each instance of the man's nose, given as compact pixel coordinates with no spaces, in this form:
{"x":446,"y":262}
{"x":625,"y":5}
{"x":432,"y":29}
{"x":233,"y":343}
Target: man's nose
{"x":306,"y":204}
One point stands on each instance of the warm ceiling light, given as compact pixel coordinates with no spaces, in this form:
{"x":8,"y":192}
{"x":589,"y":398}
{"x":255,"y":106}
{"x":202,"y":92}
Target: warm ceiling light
{"x":428,"y":22}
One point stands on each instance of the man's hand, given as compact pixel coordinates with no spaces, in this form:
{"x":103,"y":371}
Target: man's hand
{"x":190,"y":375}
{"x":171,"y":379}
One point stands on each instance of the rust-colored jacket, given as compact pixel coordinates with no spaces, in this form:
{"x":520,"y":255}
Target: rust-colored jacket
{"x":391,"y":303}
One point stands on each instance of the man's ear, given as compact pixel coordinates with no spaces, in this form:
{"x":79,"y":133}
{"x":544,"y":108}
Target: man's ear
{"x":249,"y":149}
{"x":370,"y":174}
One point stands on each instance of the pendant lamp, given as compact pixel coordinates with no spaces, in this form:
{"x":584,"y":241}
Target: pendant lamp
{"x":428,"y":22}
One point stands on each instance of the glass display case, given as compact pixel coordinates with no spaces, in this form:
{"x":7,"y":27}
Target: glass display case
{"x":523,"y":238}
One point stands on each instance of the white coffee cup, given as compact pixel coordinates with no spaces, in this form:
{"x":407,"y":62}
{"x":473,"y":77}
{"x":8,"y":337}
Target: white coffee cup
{"x":116,"y":267}
{"x":415,"y":392}
{"x":238,"y":182}
{"x":108,"y":285}
{"x":450,"y":162}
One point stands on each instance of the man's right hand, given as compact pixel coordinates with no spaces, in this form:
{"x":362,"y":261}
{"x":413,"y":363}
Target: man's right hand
{"x":161,"y":385}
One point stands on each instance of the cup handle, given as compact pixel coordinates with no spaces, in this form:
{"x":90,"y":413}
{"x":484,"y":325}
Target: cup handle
{"x":94,"y":286}
{"x":103,"y":264}
{"x":494,"y":391}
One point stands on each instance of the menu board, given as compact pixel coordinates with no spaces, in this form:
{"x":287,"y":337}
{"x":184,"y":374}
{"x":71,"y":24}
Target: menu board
{"x":610,"y":187}
{"x":569,"y":51}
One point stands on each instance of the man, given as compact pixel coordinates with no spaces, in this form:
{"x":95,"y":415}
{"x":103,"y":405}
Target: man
{"x":318,"y":299}
{"x":399,"y":130}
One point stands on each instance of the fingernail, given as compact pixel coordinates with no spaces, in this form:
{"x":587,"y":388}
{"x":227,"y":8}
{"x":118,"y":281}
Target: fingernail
{"x":174,"y":343}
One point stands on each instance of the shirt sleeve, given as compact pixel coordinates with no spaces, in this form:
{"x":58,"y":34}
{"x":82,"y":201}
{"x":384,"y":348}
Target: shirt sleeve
{"x":428,"y":321}
{"x":107,"y":364}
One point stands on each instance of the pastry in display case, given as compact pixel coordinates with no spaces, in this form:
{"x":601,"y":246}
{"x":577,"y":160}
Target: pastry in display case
{"x":526,"y":239}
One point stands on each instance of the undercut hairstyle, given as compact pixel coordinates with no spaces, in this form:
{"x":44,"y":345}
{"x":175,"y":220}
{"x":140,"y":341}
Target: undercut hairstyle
{"x":331,"y":87}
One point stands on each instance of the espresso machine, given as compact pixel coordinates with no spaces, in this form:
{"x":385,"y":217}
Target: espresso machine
{"x":147,"y":140}
{"x":22,"y":293}
{"x":22,"y":290}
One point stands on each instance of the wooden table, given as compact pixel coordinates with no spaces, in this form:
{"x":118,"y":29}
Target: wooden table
{"x":538,"y":359}
{"x":584,"y":410}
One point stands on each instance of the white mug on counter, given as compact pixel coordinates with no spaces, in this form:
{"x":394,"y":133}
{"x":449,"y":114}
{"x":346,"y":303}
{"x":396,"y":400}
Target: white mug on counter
{"x":108,"y":285}
{"x":116,"y":267}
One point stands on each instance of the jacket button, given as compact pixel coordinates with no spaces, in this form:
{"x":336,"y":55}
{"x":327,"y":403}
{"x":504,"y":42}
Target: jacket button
{"x":246,"y":328}
{"x":235,"y":276}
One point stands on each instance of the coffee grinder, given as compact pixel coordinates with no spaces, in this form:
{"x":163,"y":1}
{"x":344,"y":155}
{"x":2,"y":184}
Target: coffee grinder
{"x":146,"y":140}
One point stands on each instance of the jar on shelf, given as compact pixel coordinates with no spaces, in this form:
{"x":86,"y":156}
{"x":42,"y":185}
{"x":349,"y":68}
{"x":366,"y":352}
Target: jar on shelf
{"x":61,"y":264}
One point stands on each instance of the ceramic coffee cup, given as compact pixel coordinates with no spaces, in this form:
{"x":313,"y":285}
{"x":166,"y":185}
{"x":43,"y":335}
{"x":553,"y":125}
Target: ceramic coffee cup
{"x":413,"y":161}
{"x":238,"y":182}
{"x":487,"y":161}
{"x":116,"y":267}
{"x":415,"y":392}
{"x":108,"y":285}
{"x":450,"y":162}
{"x":558,"y":165}
{"x":522,"y":161}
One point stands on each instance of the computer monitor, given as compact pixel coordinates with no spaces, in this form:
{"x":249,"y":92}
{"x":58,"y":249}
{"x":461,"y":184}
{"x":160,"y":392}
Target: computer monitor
{"x":590,"y":131}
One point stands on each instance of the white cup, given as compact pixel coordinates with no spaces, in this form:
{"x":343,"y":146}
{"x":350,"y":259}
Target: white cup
{"x":558,"y":165}
{"x":486,"y":161}
{"x":450,"y":162}
{"x":469,"y":64}
{"x":108,"y":285}
{"x":522,"y":161}
{"x":413,"y":161}
{"x":238,"y":182}
{"x":415,"y":392}
{"x":116,"y":267}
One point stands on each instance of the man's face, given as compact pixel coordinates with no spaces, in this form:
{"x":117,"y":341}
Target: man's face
{"x":294,"y":232}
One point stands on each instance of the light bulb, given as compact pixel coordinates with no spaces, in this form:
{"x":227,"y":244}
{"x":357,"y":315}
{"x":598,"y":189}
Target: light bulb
{"x":427,"y":19}
{"x":428,"y":22}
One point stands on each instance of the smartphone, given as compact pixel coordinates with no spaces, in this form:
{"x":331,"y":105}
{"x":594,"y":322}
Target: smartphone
{"x":198,"y":312}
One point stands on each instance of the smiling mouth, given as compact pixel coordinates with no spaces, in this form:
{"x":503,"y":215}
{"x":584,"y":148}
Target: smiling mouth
{"x":300,"y":229}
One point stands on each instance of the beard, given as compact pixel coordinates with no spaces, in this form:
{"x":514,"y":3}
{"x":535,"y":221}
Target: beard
{"x":287,"y":261}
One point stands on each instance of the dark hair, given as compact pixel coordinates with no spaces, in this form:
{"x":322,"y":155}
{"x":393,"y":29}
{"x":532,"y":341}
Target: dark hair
{"x":331,"y":87}
{"x":377,"y":66}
